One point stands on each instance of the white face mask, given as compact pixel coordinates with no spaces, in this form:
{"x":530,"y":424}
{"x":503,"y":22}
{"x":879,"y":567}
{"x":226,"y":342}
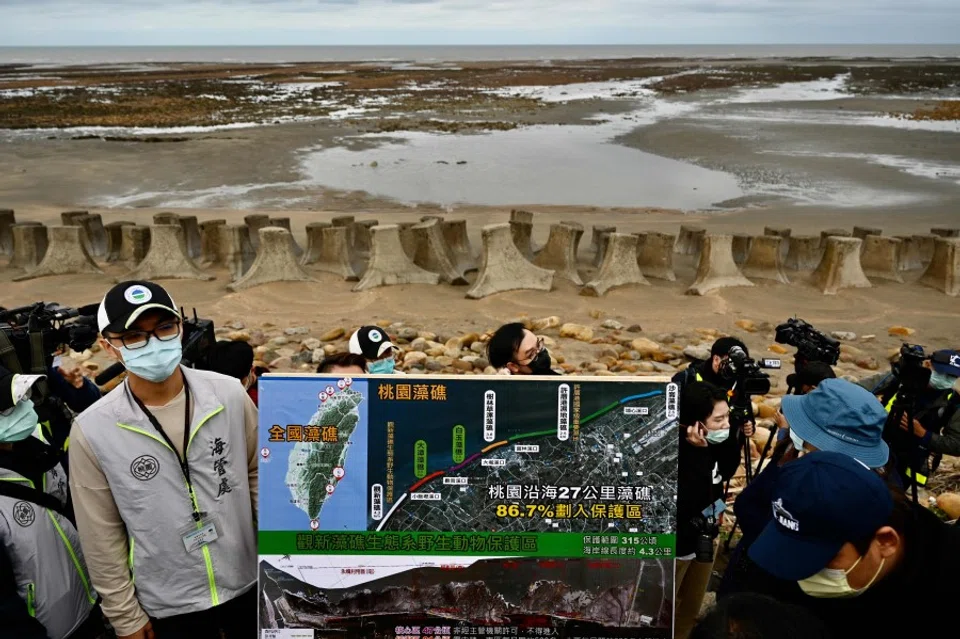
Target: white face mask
{"x":797,"y":442}
{"x":718,"y":436}
{"x":831,"y":583}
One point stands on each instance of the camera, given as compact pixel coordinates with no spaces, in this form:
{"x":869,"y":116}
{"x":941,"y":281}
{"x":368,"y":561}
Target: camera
{"x":909,"y":370}
{"x":49,"y":327}
{"x":707,"y":529}
{"x":746,"y":372}
{"x":811,"y":344}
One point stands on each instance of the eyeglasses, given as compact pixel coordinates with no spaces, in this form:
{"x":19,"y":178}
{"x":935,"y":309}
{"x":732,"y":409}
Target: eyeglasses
{"x":536,"y":352}
{"x":164,"y":332}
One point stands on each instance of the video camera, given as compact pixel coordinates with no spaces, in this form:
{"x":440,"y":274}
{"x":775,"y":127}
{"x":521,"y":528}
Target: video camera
{"x":912,"y":376}
{"x":198,"y":338}
{"x":39,"y":331}
{"x":811,"y":344}
{"x":747,"y":373}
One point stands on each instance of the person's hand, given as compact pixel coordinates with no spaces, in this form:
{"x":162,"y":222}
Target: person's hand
{"x":144,"y":633}
{"x":918,"y":428}
{"x":781,"y":420}
{"x":504,"y":371}
{"x":748,"y":429}
{"x":696,"y":436}
{"x":73,"y":376}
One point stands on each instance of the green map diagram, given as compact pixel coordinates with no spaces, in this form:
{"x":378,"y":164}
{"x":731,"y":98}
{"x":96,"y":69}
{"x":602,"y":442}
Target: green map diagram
{"x":310,"y":467}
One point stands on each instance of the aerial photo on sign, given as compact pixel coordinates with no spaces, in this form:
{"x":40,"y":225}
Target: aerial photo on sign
{"x":465,"y":507}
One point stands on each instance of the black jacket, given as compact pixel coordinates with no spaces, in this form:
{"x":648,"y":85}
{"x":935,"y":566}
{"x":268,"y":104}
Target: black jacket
{"x":913,"y":601}
{"x":702,"y":473}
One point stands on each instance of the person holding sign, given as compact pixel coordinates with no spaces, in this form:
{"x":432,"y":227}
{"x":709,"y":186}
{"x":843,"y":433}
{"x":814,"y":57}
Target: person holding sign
{"x":164,"y":479}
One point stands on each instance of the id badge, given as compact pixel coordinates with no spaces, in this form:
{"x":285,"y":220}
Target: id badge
{"x":714,"y":509}
{"x":200,"y":534}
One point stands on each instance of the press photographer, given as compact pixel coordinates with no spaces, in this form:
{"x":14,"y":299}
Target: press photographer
{"x":710,"y":370}
{"x":924,"y":422}
{"x":32,"y":339}
{"x":816,"y":353}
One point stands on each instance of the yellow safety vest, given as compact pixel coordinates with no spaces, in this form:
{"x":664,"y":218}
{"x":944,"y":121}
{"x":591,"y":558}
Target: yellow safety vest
{"x":921,"y":479}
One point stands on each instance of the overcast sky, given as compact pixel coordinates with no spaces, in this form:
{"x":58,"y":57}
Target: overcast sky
{"x":339,"y":22}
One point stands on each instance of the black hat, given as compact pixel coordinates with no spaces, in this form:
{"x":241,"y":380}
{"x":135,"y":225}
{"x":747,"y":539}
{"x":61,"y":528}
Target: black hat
{"x":371,"y":342}
{"x":127,"y":301}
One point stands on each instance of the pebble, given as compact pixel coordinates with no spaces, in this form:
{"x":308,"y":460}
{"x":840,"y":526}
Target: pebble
{"x":297,"y":330}
{"x":462,"y":365}
{"x":868,"y":338}
{"x":408,"y":334}
{"x":950,"y":504}
{"x":433,"y":365}
{"x":645,"y":347}
{"x":901,"y":331}
{"x":844,"y":336}
{"x":419,"y":344}
{"x":577,"y":332}
{"x":280,"y":340}
{"x":697,"y":352}
{"x":748,"y":325}
{"x":238,"y":336}
{"x":311,"y":343}
{"x":317,"y":356}
{"x":544,"y":323}
{"x":333,"y":334}
{"x":468,"y":340}
{"x":635,"y":328}
{"x":427,"y":335}
{"x":612,"y":324}
{"x":478,"y":347}
{"x":778,"y":349}
{"x":236,"y":325}
{"x":414,"y":358}
{"x":597,"y":313}
{"x":664,"y":368}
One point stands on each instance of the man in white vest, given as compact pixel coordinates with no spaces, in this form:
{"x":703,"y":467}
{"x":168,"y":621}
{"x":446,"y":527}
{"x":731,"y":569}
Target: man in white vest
{"x":164,"y":481}
{"x":45,"y":592}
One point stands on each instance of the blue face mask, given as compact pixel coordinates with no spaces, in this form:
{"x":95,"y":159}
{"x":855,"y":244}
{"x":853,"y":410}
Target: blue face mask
{"x":942,"y":382}
{"x":382,"y":367}
{"x":156,"y":361}
{"x":19,"y":423}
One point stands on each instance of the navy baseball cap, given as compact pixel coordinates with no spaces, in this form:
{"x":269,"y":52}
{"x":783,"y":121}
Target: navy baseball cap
{"x":841,"y":417}
{"x":946,"y":362}
{"x":820,"y":502}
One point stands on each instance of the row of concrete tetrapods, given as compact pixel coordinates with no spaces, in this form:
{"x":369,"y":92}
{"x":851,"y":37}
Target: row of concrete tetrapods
{"x":263,"y":250}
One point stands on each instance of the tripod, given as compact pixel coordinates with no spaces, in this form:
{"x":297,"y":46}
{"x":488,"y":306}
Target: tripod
{"x":918,"y":456}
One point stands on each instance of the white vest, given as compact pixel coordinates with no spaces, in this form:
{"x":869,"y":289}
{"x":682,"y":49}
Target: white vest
{"x":151,"y":494}
{"x":47,"y":560}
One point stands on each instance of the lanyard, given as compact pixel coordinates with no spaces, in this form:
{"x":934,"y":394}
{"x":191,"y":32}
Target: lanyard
{"x":182,"y":459}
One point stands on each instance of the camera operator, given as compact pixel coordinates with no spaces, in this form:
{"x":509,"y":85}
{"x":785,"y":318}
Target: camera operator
{"x":936,"y":420}
{"x":709,"y":370}
{"x":45,"y":591}
{"x":709,"y":455}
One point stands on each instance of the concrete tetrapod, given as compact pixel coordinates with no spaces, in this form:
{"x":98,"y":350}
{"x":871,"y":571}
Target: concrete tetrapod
{"x":909,"y":254}
{"x":255,"y":222}
{"x":522,"y":234}
{"x":238,"y":251}
{"x":94,"y":236}
{"x":115,"y":240}
{"x":690,"y":239}
{"x":780,"y":231}
{"x":880,"y":258}
{"x":803,"y":253}
{"x":408,"y":239}
{"x":389,"y":264}
{"x":361,"y":231}
{"x":69,"y":218}
{"x":347,"y":221}
{"x":602,"y":240}
{"x":839,"y":267}
{"x":926,"y":245}
{"x":314,"y":242}
{"x":863,"y":231}
{"x":134,"y":245}
{"x":619,"y":266}
{"x":165,"y":218}
{"x":559,"y":255}
{"x":764,"y":262}
{"x":455,"y":234}
{"x":741,"y":247}
{"x":717,"y":268}
{"x":832,"y":233}
{"x":942,"y":231}
{"x":167,"y":257}
{"x":503,"y":268}
{"x":595,"y":244}
{"x":29,"y":245}
{"x":7,"y":220}
{"x":284,"y":223}
{"x":275,"y":262}
{"x":191,"y":234}
{"x":211,"y":251}
{"x":655,"y":256}
{"x":576,"y":242}
{"x":433,"y":254}
{"x":518,"y":215}
{"x":332,"y":254}
{"x":943,"y":273}
{"x":65,"y":255}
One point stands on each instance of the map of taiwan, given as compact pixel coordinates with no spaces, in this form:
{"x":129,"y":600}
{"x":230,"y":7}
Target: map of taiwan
{"x":316,"y":464}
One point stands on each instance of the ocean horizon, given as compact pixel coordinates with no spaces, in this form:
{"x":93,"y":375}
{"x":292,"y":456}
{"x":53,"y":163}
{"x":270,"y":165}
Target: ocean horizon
{"x":99,"y":55}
